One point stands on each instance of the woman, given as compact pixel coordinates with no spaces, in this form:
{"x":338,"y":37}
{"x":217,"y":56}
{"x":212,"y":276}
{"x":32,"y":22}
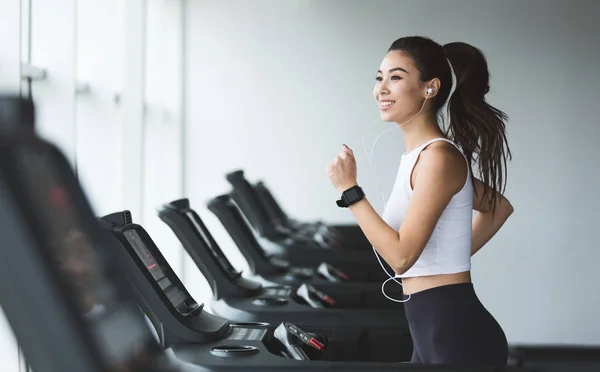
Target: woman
{"x":428,"y":233}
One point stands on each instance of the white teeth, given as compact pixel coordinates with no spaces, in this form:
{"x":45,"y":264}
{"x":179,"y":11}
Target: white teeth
{"x":387,"y":103}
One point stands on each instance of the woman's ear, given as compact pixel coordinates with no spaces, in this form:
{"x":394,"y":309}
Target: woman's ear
{"x":432,"y":88}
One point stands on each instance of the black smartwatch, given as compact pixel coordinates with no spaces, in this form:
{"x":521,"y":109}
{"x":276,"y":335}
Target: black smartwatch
{"x":351,"y":196}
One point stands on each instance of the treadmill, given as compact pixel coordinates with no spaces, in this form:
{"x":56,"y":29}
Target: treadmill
{"x":300,"y":248}
{"x":68,"y":306}
{"x":242,"y":300}
{"x":268,"y":270}
{"x":344,"y":235}
{"x":266,"y":264}
{"x":302,"y":262}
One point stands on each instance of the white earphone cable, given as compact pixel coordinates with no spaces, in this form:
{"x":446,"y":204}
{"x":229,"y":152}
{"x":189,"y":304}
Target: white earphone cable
{"x":369,"y":159}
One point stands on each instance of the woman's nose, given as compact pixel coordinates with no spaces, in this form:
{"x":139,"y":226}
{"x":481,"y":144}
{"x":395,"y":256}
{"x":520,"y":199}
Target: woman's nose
{"x":383,"y":91}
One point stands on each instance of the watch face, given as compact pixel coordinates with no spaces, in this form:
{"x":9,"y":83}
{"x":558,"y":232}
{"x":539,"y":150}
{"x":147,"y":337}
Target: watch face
{"x":352,"y":194}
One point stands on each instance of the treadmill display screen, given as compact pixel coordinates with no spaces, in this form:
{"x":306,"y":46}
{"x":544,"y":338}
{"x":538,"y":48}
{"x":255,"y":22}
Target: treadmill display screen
{"x":175,"y":295}
{"x":114,"y":324}
{"x":212,"y":246}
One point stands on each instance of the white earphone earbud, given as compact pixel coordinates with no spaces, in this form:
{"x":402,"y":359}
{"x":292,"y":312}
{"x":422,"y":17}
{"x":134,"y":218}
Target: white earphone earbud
{"x":429,"y":90}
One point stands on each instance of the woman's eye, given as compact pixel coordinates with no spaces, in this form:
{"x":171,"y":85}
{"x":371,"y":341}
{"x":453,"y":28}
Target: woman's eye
{"x":379,"y":78}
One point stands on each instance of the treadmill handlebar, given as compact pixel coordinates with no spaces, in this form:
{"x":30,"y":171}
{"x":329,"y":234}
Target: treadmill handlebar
{"x":119,"y":219}
{"x":244,"y":195}
{"x":233,"y":221}
{"x":179,"y":204}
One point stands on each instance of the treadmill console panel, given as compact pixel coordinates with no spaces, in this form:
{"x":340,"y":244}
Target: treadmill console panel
{"x":64,"y":224}
{"x":176,"y":296}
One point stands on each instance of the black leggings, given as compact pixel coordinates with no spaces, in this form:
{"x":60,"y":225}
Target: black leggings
{"x":449,"y":325}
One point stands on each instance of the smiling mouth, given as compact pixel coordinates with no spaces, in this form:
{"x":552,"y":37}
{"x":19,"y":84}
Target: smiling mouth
{"x":386,"y":104}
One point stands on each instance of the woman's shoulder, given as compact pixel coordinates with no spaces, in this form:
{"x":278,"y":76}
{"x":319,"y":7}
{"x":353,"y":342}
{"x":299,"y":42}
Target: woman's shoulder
{"x":446,"y":160}
{"x":444,"y":150}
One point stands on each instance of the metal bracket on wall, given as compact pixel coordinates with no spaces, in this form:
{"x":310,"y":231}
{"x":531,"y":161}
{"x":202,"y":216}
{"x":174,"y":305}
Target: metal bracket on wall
{"x":82,"y":88}
{"x":85,"y":88}
{"x":33,"y":73}
{"x":160,"y":112}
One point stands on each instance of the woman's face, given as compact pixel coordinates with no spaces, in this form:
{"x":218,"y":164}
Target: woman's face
{"x":398,"y":90}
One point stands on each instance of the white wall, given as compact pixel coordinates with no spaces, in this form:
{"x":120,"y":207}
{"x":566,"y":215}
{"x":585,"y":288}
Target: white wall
{"x":276,"y":87}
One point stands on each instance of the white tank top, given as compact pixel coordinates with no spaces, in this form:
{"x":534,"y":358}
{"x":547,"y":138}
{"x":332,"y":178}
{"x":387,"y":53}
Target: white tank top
{"x":449,"y":248}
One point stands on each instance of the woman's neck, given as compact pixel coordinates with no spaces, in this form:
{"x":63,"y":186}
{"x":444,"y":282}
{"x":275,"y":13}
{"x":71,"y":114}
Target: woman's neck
{"x":419,"y":131}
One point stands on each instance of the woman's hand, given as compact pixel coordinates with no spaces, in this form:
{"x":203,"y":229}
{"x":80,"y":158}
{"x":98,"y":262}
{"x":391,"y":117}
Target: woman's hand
{"x":342,"y":171}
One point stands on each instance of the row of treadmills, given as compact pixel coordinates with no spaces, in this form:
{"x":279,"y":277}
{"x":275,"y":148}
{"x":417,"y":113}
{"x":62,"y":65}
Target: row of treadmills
{"x":89,"y":293}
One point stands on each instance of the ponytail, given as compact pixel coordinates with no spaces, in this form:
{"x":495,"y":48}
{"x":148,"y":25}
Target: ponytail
{"x":476,"y":126}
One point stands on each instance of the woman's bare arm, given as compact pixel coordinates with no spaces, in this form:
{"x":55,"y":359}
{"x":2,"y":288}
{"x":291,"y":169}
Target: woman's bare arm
{"x":486,"y":224}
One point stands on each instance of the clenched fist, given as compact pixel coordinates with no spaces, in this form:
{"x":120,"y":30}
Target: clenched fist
{"x":342,"y":171}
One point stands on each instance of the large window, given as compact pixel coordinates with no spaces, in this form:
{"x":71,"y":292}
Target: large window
{"x":99,"y":85}
{"x":163,"y":149}
{"x":106,"y":79}
{"x":52,"y":48}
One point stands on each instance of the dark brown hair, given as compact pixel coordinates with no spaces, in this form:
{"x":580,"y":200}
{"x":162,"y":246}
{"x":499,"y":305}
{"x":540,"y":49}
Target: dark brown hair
{"x":477,"y":127}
